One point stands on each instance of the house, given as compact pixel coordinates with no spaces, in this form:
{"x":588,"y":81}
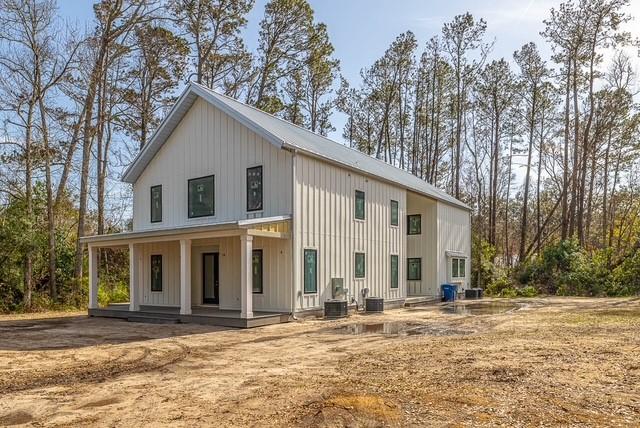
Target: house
{"x":238,"y":214}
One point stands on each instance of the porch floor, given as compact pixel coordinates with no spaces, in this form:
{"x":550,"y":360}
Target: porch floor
{"x":210,"y":315}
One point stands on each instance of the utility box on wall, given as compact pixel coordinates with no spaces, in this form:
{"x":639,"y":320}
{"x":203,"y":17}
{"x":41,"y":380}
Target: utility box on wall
{"x":338,"y":292}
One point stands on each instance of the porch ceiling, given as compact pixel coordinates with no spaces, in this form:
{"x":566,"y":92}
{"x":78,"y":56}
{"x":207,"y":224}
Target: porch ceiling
{"x":270,"y":227}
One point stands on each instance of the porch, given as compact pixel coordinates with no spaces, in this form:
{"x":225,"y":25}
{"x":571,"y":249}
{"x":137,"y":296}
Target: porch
{"x":235,"y":274}
{"x":199,"y":315}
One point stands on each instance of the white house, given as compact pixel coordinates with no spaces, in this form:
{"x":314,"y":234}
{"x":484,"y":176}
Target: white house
{"x":242,"y":215}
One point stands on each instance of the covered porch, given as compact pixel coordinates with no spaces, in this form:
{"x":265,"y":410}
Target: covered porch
{"x":235,"y":274}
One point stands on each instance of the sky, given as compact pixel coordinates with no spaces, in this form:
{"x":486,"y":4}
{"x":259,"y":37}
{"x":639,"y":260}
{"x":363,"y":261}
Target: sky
{"x":361,"y":30}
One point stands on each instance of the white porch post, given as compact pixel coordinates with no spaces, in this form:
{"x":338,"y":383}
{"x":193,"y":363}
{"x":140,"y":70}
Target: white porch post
{"x":93,"y":277}
{"x":185,"y":276}
{"x":134,"y":278}
{"x":246,"y":277}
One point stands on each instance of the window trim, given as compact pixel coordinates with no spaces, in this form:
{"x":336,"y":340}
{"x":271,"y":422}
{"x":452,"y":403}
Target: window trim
{"x":409,"y":259}
{"x":364,"y":205}
{"x":261,"y":252}
{"x":246,"y":178}
{"x":458,"y":259}
{"x":397,"y":258}
{"x":409,"y":224}
{"x":213,"y":213}
{"x":364,"y":260}
{"x":151,"y":220}
{"x":397,"y":223}
{"x":304,"y":271}
{"x":151,"y":256}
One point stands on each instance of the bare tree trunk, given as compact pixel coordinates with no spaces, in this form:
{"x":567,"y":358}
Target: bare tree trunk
{"x":525,"y":202}
{"x":28,"y":161}
{"x":51,"y":227}
{"x":565,"y":172}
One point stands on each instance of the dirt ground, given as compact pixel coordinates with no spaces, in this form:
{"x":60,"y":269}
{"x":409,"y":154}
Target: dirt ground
{"x":557,"y":361}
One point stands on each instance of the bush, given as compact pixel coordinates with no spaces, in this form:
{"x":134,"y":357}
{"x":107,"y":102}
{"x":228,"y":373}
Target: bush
{"x":118,"y":293}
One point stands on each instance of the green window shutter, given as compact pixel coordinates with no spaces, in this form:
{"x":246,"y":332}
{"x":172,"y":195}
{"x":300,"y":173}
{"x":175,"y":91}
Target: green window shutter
{"x":394,"y":213}
{"x":201,"y":196}
{"x":254,"y":188}
{"x":414,"y":269}
{"x":414,"y":224}
{"x":394,"y":271}
{"x":359,"y":205}
{"x":310,"y":271}
{"x":256,"y":268}
{"x":360,"y":268}
{"x":156,"y":272}
{"x":156,"y":204}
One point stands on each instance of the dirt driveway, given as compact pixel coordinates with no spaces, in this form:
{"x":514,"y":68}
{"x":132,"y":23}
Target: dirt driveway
{"x":548,"y":362}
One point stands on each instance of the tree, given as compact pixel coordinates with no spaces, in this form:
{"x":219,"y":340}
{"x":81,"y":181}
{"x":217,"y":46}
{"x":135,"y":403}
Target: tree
{"x":461,"y":36}
{"x":285,"y":34}
{"x":213,"y":28}
{"x":532,"y":72}
{"x":156,"y":70}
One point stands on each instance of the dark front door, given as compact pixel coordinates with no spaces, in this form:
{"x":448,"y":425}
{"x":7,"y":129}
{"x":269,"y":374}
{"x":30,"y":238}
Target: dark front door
{"x":210,"y":278}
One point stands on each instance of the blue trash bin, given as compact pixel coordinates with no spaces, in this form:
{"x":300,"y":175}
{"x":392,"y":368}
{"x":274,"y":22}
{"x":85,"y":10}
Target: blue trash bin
{"x":449,"y":292}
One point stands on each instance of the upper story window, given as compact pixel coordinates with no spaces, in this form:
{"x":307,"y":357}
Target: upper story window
{"x":394,"y":213}
{"x":458,"y":268}
{"x":201,"y":196}
{"x":156,"y":204}
{"x":254,"y":188}
{"x":359,"y":208}
{"x":414,"y":224}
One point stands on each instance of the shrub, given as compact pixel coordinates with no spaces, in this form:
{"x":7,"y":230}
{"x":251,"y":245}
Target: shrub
{"x":118,"y":293}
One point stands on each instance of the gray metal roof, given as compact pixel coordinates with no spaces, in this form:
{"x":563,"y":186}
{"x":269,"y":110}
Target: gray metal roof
{"x":282,"y":134}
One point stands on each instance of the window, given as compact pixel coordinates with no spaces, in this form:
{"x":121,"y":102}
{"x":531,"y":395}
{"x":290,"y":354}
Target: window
{"x":254,"y":188}
{"x":394,"y":213}
{"x":414,"y":269}
{"x":359,"y":265}
{"x":201,"y":197}
{"x":394,"y":271}
{"x":256,"y":267}
{"x":310,"y":271}
{"x":359,"y":205}
{"x":458,"y":267}
{"x":156,"y":272}
{"x":414,"y":224}
{"x":156,"y":204}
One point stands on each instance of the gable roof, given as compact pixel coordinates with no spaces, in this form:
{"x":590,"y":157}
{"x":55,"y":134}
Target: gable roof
{"x":281,"y":134}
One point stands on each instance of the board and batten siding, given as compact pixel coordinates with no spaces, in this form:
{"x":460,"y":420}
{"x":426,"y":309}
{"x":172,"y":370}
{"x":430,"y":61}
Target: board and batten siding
{"x":454,"y":234}
{"x":325,"y":221}
{"x":209,"y":142}
{"x":170,"y":294}
{"x":424,"y":246}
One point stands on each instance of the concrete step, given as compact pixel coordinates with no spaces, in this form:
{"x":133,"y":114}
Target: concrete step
{"x":421,"y":301}
{"x":153,"y":319}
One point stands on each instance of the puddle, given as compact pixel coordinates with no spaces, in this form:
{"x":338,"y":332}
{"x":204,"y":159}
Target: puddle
{"x":491,"y":308}
{"x":397,"y":328}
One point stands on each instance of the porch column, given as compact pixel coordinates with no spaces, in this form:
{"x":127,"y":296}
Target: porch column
{"x":185,"y":276}
{"x":93,"y":277}
{"x":246,"y":277}
{"x":134,"y":278}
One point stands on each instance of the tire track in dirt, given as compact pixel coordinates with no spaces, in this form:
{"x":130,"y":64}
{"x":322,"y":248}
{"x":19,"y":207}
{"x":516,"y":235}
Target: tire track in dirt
{"x":150,"y":360}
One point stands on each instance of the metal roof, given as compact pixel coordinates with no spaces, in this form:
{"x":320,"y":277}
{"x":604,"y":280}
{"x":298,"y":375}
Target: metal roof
{"x":282,"y":134}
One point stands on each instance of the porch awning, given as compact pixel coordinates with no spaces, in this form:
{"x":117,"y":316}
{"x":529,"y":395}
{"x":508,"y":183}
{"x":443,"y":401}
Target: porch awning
{"x":272,"y":227}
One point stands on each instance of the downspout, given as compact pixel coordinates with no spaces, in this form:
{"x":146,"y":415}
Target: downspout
{"x":294,"y":235}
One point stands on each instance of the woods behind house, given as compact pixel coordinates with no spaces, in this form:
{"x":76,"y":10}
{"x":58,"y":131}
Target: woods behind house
{"x":545,"y":150}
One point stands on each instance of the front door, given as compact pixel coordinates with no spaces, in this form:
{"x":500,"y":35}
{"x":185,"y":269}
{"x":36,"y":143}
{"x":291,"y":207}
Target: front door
{"x":210,"y":278}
